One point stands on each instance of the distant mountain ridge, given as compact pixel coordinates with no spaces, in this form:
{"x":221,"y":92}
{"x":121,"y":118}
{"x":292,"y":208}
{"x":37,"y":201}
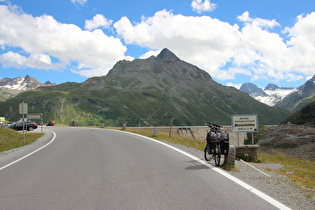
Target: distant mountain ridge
{"x":152,"y":91}
{"x":21,"y":83}
{"x":289,"y":98}
{"x":276,"y":87}
{"x":10,"y":87}
{"x":270,"y":95}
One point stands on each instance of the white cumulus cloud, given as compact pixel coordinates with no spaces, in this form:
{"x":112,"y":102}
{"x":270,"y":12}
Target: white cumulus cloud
{"x":42,"y":39}
{"x":237,"y":86}
{"x":202,"y":6}
{"x":224,"y":50}
{"x":257,"y":21}
{"x":204,"y":41}
{"x":302,"y":44}
{"x":150,"y":53}
{"x":13,"y":59}
{"x":99,"y":21}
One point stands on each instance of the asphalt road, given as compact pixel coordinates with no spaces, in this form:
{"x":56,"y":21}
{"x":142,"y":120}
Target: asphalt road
{"x":105,"y":169}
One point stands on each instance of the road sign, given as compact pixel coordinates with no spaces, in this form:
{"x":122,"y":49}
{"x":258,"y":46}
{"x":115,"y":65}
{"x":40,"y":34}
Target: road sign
{"x":34,"y":116}
{"x":245,"y":123}
{"x":2,"y":119}
{"x":23,"y":108}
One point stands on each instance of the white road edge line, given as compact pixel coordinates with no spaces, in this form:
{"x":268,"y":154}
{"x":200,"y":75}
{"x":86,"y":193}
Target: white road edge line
{"x":260,"y":171}
{"x":54,"y":136}
{"x":220,"y":171}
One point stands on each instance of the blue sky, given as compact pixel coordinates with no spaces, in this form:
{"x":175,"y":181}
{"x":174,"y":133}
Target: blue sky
{"x":270,"y":41}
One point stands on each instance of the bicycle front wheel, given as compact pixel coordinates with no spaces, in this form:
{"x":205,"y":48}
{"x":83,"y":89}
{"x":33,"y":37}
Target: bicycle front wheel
{"x":207,"y":155}
{"x":217,"y":155}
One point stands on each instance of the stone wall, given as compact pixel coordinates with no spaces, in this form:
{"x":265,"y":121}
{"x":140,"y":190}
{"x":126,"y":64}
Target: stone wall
{"x":200,"y":133}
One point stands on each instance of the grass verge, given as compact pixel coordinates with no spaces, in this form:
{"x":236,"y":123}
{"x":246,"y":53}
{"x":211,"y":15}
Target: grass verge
{"x":188,"y":142}
{"x":10,"y":139}
{"x":302,"y":168}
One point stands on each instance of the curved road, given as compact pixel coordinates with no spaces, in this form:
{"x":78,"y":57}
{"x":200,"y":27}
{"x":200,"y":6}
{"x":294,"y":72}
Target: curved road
{"x":104,"y":169}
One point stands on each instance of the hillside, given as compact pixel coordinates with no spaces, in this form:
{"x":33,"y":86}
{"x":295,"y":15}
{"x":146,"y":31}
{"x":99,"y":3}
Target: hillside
{"x":151,"y":91}
{"x":298,"y":99}
{"x":305,"y":116}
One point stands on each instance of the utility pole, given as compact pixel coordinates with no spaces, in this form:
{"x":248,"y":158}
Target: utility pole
{"x":170,"y":134}
{"x":23,"y":122}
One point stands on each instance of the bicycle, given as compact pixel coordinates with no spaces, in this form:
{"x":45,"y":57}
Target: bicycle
{"x":217,"y":143}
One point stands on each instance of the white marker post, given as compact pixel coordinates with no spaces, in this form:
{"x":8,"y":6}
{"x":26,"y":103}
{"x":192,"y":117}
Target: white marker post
{"x":23,"y":108}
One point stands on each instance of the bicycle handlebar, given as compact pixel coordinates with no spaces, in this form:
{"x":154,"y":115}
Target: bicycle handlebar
{"x":210,"y":125}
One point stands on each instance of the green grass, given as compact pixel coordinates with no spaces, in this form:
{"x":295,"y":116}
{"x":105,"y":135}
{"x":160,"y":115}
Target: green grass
{"x":175,"y":138}
{"x":10,"y":139}
{"x":302,"y":168}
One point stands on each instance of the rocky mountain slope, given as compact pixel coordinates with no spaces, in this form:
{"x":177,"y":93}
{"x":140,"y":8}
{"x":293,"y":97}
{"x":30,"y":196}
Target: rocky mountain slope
{"x":253,"y":90}
{"x":294,"y":140}
{"x":151,"y":91}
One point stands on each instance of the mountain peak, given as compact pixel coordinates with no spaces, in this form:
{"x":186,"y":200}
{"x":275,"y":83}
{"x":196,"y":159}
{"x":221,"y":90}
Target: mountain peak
{"x":167,"y":55}
{"x":20,"y":83}
{"x":271,"y":87}
{"x":252,"y":89}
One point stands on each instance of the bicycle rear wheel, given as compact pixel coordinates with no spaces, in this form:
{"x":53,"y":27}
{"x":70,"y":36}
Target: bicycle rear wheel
{"x":217,"y":155}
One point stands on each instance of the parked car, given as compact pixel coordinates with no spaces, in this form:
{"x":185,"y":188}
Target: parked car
{"x":50,"y":123}
{"x":29,"y":125}
{"x":74,"y":123}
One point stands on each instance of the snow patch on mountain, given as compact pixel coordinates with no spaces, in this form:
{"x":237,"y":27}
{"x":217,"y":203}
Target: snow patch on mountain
{"x":274,"y":96}
{"x":271,"y":95}
{"x":15,"y":84}
{"x":21,"y":83}
{"x":11,"y":87}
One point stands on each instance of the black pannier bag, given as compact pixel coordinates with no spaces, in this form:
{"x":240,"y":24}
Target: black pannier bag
{"x":224,"y":144}
{"x":211,"y":136}
{"x":211,"y":147}
{"x":225,"y":136}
